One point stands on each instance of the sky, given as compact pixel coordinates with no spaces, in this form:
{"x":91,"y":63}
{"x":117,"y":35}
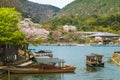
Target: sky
{"x":57,"y":3}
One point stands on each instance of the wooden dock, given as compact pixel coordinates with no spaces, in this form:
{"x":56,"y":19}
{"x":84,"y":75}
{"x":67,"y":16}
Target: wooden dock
{"x":3,"y":67}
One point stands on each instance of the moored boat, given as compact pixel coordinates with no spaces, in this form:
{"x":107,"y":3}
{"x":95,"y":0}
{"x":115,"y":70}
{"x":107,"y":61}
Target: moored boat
{"x":44,"y":63}
{"x":18,"y":70}
{"x":94,"y":60}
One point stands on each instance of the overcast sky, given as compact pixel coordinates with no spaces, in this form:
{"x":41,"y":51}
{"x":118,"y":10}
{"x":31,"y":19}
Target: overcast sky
{"x":57,"y":3}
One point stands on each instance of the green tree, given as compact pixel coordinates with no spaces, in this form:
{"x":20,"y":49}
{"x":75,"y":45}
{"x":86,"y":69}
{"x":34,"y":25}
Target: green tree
{"x":10,"y":36}
{"x":9,"y":31}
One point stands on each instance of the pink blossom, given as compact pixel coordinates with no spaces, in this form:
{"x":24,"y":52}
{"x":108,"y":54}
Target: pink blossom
{"x":32,"y":31}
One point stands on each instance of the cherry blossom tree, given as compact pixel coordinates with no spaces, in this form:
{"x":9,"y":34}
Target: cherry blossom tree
{"x":34,"y":34}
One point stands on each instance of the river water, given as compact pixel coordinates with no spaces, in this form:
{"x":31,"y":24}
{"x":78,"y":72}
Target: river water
{"x":76,"y":56}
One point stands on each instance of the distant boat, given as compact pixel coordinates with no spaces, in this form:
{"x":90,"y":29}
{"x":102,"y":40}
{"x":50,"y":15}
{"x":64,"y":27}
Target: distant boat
{"x":94,"y":60}
{"x":116,"y":57}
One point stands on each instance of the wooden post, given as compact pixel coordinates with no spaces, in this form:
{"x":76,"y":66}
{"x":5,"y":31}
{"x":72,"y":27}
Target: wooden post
{"x":8,"y":75}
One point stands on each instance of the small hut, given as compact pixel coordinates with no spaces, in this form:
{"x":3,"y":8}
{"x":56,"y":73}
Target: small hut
{"x":94,"y":60}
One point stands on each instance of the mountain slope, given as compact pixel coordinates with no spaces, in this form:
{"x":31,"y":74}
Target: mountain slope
{"x":89,"y":15}
{"x":37,"y":12}
{"x":91,"y":7}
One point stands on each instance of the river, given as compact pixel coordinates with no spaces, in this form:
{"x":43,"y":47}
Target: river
{"x":76,"y":56}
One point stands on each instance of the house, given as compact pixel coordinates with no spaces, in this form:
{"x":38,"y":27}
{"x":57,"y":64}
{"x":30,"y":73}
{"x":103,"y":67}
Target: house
{"x":69,"y":28}
{"x":105,"y":37}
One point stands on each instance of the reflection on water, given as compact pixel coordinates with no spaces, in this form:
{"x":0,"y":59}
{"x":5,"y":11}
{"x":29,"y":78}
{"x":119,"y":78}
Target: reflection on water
{"x":33,"y":77}
{"x":92,"y":69}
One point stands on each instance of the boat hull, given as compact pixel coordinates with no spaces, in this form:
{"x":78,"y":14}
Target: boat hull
{"x":95,"y":64}
{"x":38,"y":70}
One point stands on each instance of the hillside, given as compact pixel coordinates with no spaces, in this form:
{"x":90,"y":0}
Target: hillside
{"x":89,"y":15}
{"x":91,"y":7}
{"x":38,"y":12}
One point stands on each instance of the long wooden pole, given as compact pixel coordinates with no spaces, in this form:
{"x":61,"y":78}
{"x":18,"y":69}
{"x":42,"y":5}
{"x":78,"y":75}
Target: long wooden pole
{"x":8,"y":75}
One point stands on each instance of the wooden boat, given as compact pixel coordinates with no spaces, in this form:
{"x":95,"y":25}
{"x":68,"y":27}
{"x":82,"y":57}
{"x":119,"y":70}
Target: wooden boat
{"x":66,"y":69}
{"x":44,"y":63}
{"x":94,"y":60}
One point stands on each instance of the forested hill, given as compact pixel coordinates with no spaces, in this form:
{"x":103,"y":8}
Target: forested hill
{"x":91,"y":7}
{"x":89,"y":15}
{"x":38,"y":12}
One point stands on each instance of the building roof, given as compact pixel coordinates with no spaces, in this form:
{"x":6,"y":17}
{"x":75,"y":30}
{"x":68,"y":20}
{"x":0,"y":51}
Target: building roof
{"x":93,"y":54}
{"x":88,"y":33}
{"x":105,"y":34}
{"x":44,"y":51}
{"x":47,"y":60}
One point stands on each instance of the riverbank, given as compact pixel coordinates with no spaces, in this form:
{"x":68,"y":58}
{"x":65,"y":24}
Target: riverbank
{"x":65,"y":44}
